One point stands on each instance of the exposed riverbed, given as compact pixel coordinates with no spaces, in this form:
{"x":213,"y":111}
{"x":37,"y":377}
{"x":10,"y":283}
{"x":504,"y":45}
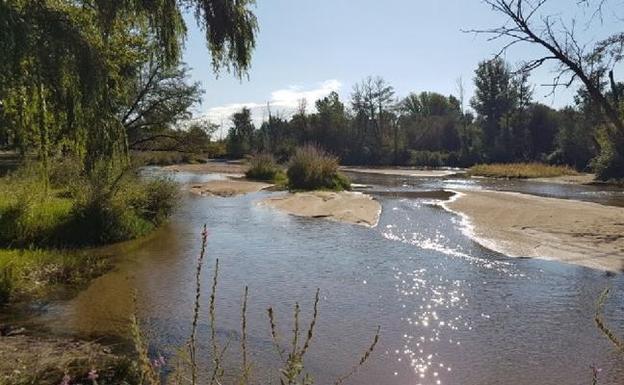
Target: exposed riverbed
{"x":451,"y":311}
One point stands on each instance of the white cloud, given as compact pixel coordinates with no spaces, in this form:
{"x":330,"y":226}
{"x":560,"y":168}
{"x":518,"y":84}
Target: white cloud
{"x":282,"y":101}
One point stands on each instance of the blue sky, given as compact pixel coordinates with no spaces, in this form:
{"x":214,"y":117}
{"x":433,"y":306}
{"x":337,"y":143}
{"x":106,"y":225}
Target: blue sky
{"x":307,"y":48}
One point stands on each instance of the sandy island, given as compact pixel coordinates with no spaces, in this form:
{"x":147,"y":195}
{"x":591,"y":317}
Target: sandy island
{"x":350,"y":207}
{"x":228,"y":187}
{"x":520,"y":225}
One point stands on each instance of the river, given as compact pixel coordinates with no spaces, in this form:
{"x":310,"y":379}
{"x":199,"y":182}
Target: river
{"x":450,"y":311}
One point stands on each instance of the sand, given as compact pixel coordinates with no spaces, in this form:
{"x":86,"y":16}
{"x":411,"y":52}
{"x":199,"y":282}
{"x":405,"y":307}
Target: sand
{"x":350,"y":207}
{"x":520,"y":225}
{"x":403,"y":172}
{"x":228,"y":187}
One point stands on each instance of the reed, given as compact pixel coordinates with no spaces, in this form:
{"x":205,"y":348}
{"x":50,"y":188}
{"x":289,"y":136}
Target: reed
{"x":185,"y":366}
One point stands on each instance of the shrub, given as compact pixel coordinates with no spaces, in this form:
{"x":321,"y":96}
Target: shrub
{"x":609,"y":164}
{"x":114,"y":206}
{"x":107,"y":206}
{"x":29,"y":215}
{"x":311,"y":168}
{"x":32,"y":272}
{"x":264,"y":168}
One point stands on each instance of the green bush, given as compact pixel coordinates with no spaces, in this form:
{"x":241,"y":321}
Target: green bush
{"x":311,"y":168}
{"x":114,"y":206}
{"x":106,"y":206}
{"x":264,"y":168}
{"x":29,"y":215}
{"x":609,"y":164}
{"x":32,"y":272}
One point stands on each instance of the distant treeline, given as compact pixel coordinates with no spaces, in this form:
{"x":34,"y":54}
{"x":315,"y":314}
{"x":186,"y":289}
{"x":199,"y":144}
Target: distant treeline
{"x":375,"y":127}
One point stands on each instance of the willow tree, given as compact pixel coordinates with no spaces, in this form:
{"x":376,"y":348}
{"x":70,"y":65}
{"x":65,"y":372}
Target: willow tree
{"x":68,"y":66}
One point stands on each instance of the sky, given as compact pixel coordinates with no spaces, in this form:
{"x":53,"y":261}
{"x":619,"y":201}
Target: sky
{"x":308,"y":48}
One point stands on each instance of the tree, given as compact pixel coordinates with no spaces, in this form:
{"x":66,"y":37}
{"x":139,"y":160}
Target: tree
{"x":241,"y":133}
{"x":587,"y":62}
{"x":158,"y":99}
{"x":372,"y":101}
{"x":330,"y":126}
{"x":494,"y":98}
{"x":430,"y":121}
{"x":66,"y":65}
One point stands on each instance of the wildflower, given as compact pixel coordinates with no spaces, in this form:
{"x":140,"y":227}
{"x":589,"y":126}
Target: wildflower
{"x":93,"y":375}
{"x":158,"y":362}
{"x":66,"y":380}
{"x":595,"y":371}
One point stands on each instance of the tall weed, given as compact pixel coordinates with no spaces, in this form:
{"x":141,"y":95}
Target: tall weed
{"x":311,"y":168}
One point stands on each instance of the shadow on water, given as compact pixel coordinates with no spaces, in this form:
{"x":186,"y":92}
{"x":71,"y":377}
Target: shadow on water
{"x":451,"y":311}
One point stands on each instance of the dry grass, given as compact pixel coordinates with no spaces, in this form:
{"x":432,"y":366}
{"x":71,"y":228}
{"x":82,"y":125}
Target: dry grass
{"x":521,"y":170}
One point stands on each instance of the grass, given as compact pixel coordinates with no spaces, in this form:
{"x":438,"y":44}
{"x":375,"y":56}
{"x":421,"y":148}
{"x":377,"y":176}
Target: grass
{"x":521,"y":170}
{"x":106,"y":206}
{"x":27,"y":274}
{"x":42,"y":225}
{"x":263,"y":167}
{"x":311,"y":168}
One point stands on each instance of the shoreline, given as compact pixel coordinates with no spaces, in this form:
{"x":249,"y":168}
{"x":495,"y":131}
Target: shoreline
{"x":229,"y":187}
{"x":527,"y":226}
{"x":348,"y":207}
{"x":398,"y":171}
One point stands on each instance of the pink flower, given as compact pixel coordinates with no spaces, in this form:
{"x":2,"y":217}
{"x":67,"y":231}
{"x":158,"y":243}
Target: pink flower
{"x":93,"y":375}
{"x":158,"y":362}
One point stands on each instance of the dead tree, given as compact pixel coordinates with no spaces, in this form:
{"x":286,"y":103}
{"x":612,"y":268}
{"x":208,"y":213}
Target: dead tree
{"x":588,"y":63}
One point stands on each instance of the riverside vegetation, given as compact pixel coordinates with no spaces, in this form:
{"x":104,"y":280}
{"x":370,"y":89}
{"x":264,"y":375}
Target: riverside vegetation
{"x":182,"y":365}
{"x":43,"y":224}
{"x":309,"y":168}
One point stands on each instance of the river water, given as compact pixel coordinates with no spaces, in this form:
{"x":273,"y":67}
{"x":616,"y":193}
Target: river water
{"x":450,"y":311}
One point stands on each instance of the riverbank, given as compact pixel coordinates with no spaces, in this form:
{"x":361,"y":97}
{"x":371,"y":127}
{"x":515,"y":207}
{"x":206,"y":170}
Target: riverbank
{"x":350,"y":207}
{"x":51,"y":361}
{"x":520,"y":225}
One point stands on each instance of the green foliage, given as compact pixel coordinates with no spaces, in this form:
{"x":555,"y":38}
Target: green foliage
{"x":98,"y":79}
{"x":106,"y":206}
{"x":311,"y":168}
{"x":609,"y":164}
{"x":113,"y":205}
{"x":521,"y":170}
{"x":240,"y":135}
{"x":33,"y":273}
{"x":574,"y":143}
{"x":263,"y":167}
